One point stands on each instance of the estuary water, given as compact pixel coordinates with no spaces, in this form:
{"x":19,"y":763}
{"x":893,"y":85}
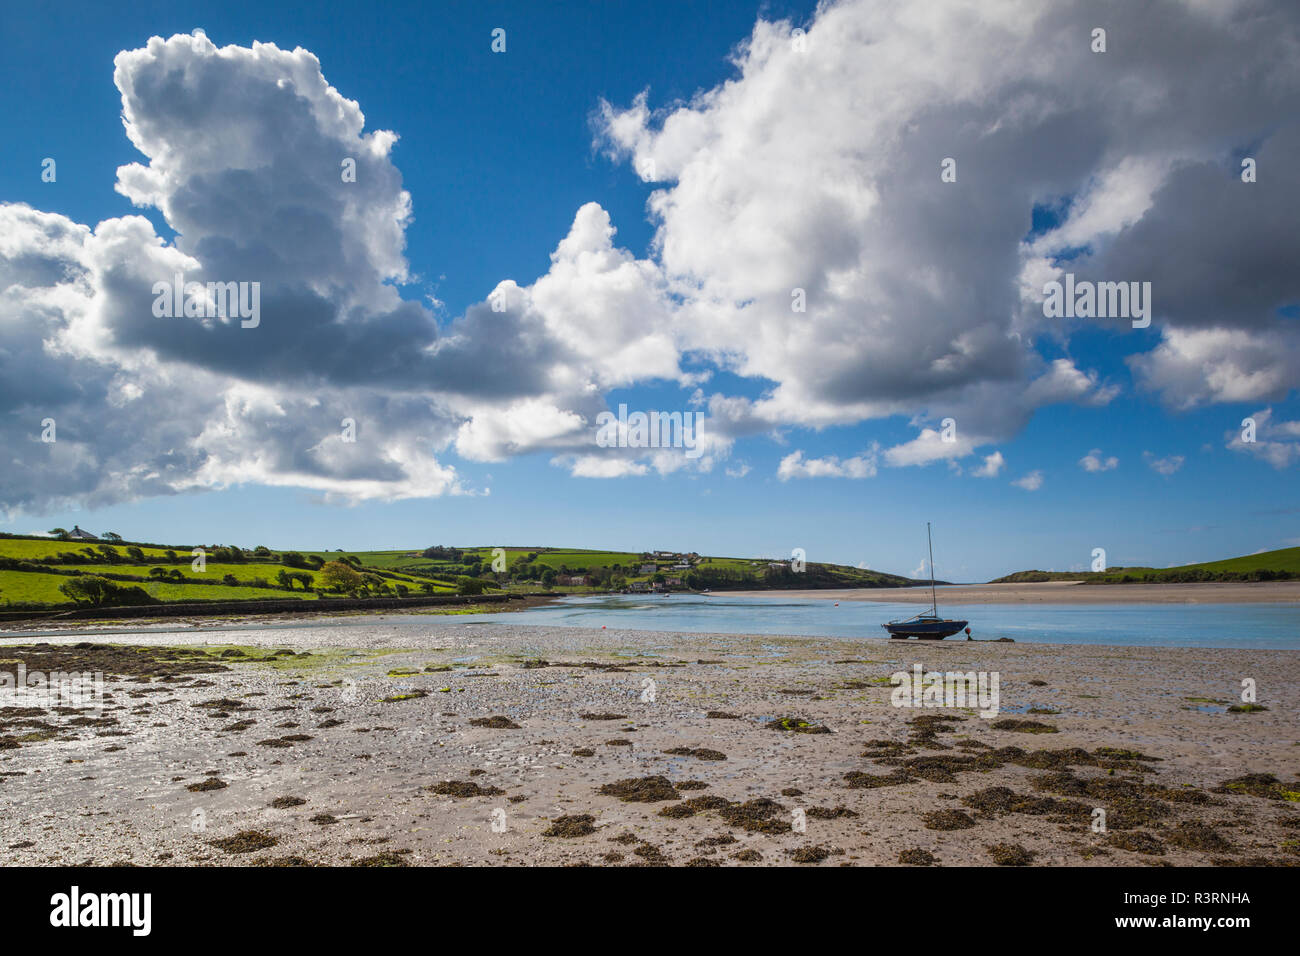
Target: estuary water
{"x":1274,"y":626}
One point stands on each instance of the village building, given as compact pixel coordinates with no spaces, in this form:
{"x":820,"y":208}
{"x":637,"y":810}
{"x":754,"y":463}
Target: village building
{"x":77,"y":534}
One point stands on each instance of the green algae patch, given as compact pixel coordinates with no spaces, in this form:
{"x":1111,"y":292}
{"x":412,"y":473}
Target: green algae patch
{"x":1246,"y":708}
{"x":409,"y":695}
{"x":1259,"y":785}
{"x":796,"y":725}
{"x":212,"y":783}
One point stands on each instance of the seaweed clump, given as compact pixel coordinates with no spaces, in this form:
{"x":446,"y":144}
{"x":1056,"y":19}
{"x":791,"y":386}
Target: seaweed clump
{"x":498,"y":722}
{"x":245,"y":841}
{"x":699,"y":753}
{"x":1023,"y":726}
{"x":571,"y":825}
{"x":757,"y":816}
{"x":641,"y":789}
{"x":916,"y":857}
{"x":948,"y":820}
{"x":1138,"y":841}
{"x":464,"y":788}
{"x":1010,"y":854}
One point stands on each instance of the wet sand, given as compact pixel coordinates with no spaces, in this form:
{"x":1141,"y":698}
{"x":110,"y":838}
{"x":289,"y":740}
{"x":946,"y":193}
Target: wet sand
{"x":373,"y":765}
{"x":1063,"y":592}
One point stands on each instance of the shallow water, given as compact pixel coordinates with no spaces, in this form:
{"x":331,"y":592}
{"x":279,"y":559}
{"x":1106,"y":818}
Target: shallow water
{"x":1275,"y":626}
{"x":1263,"y":626}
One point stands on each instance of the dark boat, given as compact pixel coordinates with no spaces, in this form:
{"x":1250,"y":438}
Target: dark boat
{"x":927,"y":627}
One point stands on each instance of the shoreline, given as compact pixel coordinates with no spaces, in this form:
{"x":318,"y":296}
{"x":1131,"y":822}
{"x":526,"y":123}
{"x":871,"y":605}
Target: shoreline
{"x":1059,"y":592}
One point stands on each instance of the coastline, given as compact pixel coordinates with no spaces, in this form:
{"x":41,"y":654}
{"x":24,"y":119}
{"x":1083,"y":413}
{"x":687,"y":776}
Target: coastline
{"x":1059,"y":592}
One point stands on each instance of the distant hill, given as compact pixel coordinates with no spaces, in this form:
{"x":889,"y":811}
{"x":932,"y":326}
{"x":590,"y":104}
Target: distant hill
{"x":44,"y":572}
{"x":605,"y":570}
{"x":1280,"y":565}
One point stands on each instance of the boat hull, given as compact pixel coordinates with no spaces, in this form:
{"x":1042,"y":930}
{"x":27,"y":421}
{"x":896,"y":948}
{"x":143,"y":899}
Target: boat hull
{"x":924,"y":630}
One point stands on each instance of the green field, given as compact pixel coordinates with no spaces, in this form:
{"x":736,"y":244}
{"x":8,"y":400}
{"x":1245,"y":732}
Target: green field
{"x":26,"y":579}
{"x":1265,"y":566}
{"x":19,"y":587}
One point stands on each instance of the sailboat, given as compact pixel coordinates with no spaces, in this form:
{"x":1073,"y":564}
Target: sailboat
{"x":927,"y":627}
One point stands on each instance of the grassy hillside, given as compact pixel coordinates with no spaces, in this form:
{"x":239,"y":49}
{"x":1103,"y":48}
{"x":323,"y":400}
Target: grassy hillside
{"x":36,"y":572}
{"x":1280,"y":565}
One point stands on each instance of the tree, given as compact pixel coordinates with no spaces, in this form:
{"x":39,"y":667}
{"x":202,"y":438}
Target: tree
{"x":338,"y":576}
{"x":111,"y":536}
{"x":97,"y":591}
{"x":466,"y":585}
{"x":286,"y":579}
{"x":59,"y":532}
{"x":229,"y":580}
{"x":157,"y":572}
{"x":135,"y":553}
{"x":426,"y":587}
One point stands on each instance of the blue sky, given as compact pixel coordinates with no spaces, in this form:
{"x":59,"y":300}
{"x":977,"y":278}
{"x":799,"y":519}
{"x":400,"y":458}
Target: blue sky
{"x":499,"y":152}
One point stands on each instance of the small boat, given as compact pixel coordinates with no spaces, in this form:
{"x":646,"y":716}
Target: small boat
{"x":927,"y":627}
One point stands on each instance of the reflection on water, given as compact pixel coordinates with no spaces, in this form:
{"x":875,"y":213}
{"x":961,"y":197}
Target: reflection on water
{"x":1170,"y":625}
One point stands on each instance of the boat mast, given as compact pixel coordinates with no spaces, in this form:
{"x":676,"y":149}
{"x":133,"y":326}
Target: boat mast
{"x":934,"y":603}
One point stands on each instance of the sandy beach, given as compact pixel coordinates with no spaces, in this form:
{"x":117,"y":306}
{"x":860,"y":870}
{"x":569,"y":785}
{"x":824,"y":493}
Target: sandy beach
{"x":1063,"y":592}
{"x":428,"y":741}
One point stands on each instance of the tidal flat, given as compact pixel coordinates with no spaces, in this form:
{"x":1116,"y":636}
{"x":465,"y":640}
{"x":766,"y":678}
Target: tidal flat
{"x":418,"y":740}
